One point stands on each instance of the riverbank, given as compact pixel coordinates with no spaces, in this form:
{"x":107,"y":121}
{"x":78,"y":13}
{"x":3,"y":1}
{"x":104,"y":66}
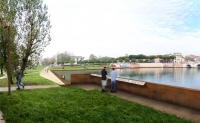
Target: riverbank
{"x":156,"y":65}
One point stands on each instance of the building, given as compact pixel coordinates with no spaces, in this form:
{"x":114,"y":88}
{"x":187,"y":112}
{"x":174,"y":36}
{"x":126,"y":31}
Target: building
{"x":179,"y":58}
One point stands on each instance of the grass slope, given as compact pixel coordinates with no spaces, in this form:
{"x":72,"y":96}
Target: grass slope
{"x":75,"y":105}
{"x":31,"y":77}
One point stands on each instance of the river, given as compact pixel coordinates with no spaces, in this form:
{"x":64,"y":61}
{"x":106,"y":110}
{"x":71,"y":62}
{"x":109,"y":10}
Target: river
{"x":182,"y":77}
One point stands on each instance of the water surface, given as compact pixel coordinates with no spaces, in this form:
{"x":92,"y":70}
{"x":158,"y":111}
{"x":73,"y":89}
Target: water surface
{"x":182,"y":77}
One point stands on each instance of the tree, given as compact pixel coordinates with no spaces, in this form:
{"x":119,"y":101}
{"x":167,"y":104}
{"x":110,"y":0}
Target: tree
{"x":132,"y":56}
{"x":146,"y":61}
{"x":189,"y":58}
{"x":92,"y":57}
{"x":52,"y":60}
{"x":63,"y":58}
{"x":97,"y":61}
{"x":8,"y":10}
{"x":85,"y":61}
{"x":120,"y":60}
{"x":133,"y":60}
{"x":140,"y":60}
{"x":45,"y":61}
{"x":172,"y":58}
{"x":127,"y":60}
{"x":109,"y":61}
{"x":151,"y":58}
{"x":140,"y":56}
{"x":33,"y":26}
{"x":115,"y":61}
{"x":71,"y":61}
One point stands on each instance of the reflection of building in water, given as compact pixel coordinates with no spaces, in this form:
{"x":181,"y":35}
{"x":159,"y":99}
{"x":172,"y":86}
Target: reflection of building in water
{"x":140,"y":71}
{"x":178,"y":74}
{"x":192,"y":74}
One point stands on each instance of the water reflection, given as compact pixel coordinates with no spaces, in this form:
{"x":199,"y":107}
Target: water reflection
{"x":184,"y":77}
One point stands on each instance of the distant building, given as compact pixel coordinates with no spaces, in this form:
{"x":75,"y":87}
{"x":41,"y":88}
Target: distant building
{"x":157,"y":60}
{"x":179,"y":58}
{"x":77,"y":58}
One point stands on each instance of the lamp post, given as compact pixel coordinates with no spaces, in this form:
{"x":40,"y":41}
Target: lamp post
{"x":9,"y":57}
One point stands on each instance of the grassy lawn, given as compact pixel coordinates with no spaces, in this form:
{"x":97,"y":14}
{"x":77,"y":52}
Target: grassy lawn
{"x":75,"y":105}
{"x":1,"y":75}
{"x":31,"y":78}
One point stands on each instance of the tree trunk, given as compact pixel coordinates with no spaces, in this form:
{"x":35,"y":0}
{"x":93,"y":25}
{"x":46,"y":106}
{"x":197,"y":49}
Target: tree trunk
{"x":24,"y":63}
{"x":1,"y":71}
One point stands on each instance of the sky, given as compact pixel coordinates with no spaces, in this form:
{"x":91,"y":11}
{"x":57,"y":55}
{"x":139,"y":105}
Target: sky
{"x":114,"y":28}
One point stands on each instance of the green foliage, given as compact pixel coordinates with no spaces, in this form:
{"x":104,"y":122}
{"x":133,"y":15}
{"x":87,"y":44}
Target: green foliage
{"x":127,"y":60}
{"x":146,"y":61}
{"x":8,"y":10}
{"x":75,"y":105}
{"x":140,"y":60}
{"x":33,"y":21}
{"x":120,"y":60}
{"x":71,"y":61}
{"x":64,"y":57}
{"x":133,"y":60}
{"x":115,"y":61}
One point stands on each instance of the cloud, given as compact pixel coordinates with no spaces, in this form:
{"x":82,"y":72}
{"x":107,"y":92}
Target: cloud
{"x":115,"y":27}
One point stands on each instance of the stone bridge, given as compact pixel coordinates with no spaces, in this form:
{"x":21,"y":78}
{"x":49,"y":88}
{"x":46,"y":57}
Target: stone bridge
{"x":191,"y":64}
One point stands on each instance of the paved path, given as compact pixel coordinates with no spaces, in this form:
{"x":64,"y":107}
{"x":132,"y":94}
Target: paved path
{"x":49,"y":75}
{"x":179,"y":111}
{"x":4,"y":76}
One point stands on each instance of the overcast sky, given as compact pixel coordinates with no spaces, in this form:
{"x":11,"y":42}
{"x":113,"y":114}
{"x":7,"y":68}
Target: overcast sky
{"x":116,"y":27}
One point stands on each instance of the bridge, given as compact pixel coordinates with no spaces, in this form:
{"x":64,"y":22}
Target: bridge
{"x":191,"y":64}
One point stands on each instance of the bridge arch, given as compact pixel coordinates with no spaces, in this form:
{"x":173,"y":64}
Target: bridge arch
{"x":188,"y":65}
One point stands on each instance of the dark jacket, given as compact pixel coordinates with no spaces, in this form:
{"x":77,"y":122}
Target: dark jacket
{"x":103,"y":74}
{"x":19,"y":74}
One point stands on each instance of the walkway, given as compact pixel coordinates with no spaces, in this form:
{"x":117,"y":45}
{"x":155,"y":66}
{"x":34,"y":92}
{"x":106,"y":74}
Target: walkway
{"x":190,"y":114}
{"x":49,"y":75}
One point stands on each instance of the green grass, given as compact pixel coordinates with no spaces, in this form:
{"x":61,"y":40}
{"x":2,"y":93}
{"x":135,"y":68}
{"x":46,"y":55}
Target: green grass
{"x":1,"y":75}
{"x":31,"y":77}
{"x":75,"y":105}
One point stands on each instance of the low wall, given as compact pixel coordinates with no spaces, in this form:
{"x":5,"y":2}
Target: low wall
{"x":189,"y":98}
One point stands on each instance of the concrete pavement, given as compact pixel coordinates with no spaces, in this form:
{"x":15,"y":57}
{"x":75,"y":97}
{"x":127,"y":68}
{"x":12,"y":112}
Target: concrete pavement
{"x":49,"y":75}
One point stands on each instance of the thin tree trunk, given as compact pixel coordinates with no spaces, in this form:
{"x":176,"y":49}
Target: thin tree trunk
{"x":1,"y":71}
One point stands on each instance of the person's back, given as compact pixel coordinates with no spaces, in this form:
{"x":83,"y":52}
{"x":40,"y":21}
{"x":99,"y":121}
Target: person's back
{"x":19,"y":74}
{"x":104,"y":79}
{"x":103,"y":74}
{"x":113,"y":75}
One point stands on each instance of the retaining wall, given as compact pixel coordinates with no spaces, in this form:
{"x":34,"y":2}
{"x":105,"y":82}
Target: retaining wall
{"x":189,"y":98}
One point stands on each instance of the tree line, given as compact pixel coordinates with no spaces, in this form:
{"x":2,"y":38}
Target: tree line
{"x":131,"y":58}
{"x":67,"y":57}
{"x":30,"y":32}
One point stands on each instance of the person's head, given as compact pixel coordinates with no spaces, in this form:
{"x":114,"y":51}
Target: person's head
{"x":18,"y":67}
{"x":113,"y":68}
{"x":104,"y":68}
